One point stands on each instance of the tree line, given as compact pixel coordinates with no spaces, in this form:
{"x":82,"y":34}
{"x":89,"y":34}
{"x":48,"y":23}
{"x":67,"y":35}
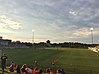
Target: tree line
{"x":65,"y":44}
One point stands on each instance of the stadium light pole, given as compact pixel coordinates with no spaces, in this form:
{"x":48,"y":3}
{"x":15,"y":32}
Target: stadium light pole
{"x":33,"y":36}
{"x":91,"y":29}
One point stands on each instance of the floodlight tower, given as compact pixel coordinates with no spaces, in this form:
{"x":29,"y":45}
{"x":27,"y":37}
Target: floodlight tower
{"x":91,"y":29}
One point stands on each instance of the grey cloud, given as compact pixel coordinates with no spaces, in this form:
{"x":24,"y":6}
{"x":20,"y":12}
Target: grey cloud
{"x":55,"y":16}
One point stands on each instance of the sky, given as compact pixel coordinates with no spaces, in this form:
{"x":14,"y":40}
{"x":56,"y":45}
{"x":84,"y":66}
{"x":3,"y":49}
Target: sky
{"x":55,"y":20}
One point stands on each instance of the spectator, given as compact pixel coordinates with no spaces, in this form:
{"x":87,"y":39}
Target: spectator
{"x":51,"y":72}
{"x":47,"y":71}
{"x":13,"y":64}
{"x":58,"y":71}
{"x":11,"y":68}
{"x":3,"y":62}
{"x":28,"y":70}
{"x":35,"y":70}
{"x":23,"y":71}
{"x":40,"y":71}
{"x":18,"y":69}
{"x":62,"y":71}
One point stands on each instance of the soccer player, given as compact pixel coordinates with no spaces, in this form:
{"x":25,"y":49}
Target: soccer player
{"x":53,"y":62}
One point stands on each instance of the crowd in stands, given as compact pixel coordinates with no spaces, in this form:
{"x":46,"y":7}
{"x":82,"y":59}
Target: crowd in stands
{"x":35,"y":70}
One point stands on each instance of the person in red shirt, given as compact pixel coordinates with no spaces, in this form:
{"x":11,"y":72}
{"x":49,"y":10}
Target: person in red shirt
{"x":11,"y":68}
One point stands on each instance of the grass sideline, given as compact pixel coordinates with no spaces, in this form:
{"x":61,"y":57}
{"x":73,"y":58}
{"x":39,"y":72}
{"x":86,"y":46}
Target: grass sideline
{"x":73,"y":60}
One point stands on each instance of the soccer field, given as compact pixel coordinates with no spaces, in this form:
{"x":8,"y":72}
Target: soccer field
{"x":73,"y":60}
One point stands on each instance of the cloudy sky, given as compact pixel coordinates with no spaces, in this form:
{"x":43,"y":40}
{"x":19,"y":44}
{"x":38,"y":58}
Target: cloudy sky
{"x":54,"y":20}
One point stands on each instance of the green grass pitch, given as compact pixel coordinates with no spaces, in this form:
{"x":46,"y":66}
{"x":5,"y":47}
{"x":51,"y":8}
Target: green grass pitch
{"x":73,"y":60}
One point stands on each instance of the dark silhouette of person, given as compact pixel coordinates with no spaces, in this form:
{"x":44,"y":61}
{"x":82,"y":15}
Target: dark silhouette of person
{"x":3,"y":62}
{"x":62,"y":71}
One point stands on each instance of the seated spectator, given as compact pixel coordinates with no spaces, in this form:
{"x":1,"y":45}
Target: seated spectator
{"x":62,"y":71}
{"x":35,"y":70}
{"x":11,"y":68}
{"x":18,"y":69}
{"x":47,"y":71}
{"x":23,"y":71}
{"x":51,"y":72}
{"x":40,"y":71}
{"x":58,"y":71}
{"x":28,"y":70}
